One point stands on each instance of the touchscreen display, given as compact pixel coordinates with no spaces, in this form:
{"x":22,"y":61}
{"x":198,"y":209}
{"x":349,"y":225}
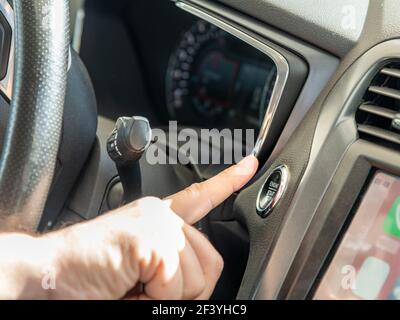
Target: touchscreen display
{"x":367,"y":263}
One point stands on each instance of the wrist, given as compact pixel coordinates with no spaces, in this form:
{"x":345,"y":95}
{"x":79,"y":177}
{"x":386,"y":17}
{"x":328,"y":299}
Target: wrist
{"x":22,"y":264}
{"x":49,"y":249}
{"x":82,"y":256}
{"x":61,"y":249}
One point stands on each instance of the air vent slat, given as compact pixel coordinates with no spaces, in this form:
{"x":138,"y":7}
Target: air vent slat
{"x":391,"y":72}
{"x":379,"y":133}
{"x":378,"y":115}
{"x":387,"y":92}
{"x":378,"y":111}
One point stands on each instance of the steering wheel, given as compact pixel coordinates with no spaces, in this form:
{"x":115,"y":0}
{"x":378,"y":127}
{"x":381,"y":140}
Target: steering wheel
{"x":31,"y":141}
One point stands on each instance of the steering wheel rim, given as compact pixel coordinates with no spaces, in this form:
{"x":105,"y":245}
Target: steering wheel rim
{"x":31,"y":142}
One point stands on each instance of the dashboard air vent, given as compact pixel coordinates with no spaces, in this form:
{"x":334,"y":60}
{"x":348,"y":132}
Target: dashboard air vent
{"x":378,"y":117}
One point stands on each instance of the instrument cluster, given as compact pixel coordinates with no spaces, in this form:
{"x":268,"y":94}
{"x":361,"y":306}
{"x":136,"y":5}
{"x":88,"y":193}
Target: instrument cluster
{"x":216,"y":80}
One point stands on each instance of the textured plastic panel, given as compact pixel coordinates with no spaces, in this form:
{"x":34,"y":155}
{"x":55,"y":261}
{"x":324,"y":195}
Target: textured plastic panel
{"x":332,"y":25}
{"x":32,"y":139}
{"x":78,"y":137}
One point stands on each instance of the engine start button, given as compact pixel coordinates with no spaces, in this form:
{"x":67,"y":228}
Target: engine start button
{"x":272,"y":191}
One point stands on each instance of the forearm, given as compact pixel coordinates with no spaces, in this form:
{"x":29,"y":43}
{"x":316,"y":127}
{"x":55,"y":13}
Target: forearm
{"x":92,"y":255}
{"x":72,"y":263}
{"x":62,"y":265}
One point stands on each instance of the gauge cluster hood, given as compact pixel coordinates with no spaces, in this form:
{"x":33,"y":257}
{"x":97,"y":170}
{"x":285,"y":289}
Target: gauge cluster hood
{"x":317,"y":21}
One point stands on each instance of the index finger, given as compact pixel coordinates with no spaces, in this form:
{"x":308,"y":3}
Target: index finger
{"x":195,"y":202}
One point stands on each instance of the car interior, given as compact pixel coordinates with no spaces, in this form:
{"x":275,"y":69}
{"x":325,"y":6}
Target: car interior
{"x":317,"y":81}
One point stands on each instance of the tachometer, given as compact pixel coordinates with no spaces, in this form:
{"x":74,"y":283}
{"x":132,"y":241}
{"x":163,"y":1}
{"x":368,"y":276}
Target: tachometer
{"x":214,"y":79}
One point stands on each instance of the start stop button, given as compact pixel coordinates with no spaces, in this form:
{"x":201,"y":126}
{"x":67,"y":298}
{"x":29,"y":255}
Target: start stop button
{"x":272,"y":191}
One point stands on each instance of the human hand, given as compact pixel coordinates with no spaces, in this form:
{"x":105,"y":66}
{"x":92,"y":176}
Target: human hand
{"x":150,"y":241}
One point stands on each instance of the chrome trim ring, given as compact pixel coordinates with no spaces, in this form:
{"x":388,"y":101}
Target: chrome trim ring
{"x":281,"y":64}
{"x":266,"y":209}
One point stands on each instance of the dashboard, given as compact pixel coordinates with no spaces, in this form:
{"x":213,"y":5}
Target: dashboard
{"x":216,"y":80}
{"x":340,"y":149}
{"x":334,"y":232}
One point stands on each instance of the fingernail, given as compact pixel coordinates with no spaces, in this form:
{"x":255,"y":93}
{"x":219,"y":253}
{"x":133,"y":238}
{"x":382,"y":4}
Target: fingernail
{"x":248,"y":161}
{"x":246,"y":166}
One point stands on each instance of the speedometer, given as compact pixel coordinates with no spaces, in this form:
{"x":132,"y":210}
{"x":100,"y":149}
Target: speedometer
{"x":215,"y":79}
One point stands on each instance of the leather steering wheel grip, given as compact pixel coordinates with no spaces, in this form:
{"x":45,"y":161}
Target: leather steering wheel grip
{"x":31,"y":142}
